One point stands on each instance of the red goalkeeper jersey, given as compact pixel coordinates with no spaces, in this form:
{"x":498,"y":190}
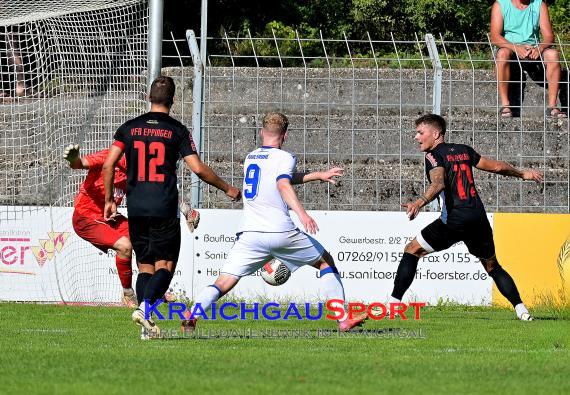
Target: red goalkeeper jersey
{"x":90,"y":200}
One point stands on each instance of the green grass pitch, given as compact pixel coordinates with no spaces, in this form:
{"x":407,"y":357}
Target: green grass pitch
{"x":97,"y":350}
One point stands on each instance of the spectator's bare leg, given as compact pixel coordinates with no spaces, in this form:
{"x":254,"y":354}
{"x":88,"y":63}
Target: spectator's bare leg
{"x":552,"y":63}
{"x":503,"y":70}
{"x":15,"y":58}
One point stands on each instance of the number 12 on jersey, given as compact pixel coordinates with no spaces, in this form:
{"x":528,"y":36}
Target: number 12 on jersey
{"x":155,"y":159}
{"x":251,"y":181}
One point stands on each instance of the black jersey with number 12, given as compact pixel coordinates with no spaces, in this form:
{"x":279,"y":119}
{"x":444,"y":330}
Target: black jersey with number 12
{"x":153,"y":143}
{"x":461,"y":201}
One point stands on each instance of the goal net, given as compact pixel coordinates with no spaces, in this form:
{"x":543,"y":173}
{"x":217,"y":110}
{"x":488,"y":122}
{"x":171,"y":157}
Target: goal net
{"x":70,"y":71}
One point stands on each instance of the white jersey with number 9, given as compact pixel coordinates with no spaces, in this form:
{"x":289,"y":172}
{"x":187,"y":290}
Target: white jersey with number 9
{"x":264,"y":208}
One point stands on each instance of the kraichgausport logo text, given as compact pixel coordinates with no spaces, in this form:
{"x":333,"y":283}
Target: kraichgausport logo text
{"x":271,"y":311}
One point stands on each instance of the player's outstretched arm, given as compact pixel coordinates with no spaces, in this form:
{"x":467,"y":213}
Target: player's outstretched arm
{"x":108,"y":172}
{"x":325,"y":176}
{"x":506,"y":169}
{"x":437,"y":177}
{"x":71,"y":154}
{"x":290,"y":197}
{"x":206,"y":174}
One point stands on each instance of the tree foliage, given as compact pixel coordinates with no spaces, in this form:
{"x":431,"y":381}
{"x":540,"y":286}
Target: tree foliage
{"x":450,"y":18}
{"x":403,"y":18}
{"x":456,"y":20}
{"x":560,"y":18}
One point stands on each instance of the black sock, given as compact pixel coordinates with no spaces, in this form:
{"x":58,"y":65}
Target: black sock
{"x":157,"y":285}
{"x":405,"y":275}
{"x":505,"y":284}
{"x":142,"y":281}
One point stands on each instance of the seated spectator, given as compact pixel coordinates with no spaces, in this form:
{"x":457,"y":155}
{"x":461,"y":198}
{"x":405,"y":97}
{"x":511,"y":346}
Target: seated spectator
{"x":515,"y":29}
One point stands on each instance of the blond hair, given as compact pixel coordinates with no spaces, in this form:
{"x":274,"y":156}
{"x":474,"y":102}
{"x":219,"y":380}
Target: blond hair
{"x":275,"y":122}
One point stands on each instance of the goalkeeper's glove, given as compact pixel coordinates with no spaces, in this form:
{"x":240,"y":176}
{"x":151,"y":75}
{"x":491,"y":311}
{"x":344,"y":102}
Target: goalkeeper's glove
{"x":192,"y":216}
{"x":71,"y":153}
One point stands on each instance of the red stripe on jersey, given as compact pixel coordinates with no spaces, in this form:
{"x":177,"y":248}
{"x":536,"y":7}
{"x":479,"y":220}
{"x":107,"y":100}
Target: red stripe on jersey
{"x":119,"y":144}
{"x":431,"y":159}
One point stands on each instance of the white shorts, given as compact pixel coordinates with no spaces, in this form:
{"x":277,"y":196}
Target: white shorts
{"x":254,"y":249}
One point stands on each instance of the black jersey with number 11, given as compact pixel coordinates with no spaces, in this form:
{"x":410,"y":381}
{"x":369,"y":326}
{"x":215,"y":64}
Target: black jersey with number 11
{"x":153,"y":143}
{"x":461,"y":201}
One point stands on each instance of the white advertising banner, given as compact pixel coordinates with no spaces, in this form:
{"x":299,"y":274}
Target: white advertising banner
{"x":29,"y":249}
{"x":42,"y":259}
{"x":366,"y":246}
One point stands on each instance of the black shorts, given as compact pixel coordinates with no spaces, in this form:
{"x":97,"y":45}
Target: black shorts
{"x":155,"y":238}
{"x":535,"y":70}
{"x":477,"y":236}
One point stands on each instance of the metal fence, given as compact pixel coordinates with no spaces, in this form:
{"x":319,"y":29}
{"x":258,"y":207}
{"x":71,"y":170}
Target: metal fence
{"x":357,"y":111}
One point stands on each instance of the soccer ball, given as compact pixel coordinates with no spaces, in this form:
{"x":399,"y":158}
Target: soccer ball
{"x":275,"y":272}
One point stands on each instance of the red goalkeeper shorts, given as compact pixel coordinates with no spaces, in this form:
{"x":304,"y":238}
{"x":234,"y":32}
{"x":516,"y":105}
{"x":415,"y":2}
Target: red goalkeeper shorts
{"x":101,"y":234}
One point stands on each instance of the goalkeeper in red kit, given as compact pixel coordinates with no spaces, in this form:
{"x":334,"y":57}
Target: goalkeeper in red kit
{"x":88,"y":220}
{"x":89,"y":224}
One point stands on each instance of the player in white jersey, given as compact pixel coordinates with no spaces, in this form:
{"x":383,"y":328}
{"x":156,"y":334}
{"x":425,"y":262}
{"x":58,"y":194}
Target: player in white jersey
{"x":267,"y":230}
{"x":264,"y":208}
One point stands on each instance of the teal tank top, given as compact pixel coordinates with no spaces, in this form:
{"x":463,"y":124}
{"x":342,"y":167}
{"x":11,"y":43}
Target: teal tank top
{"x":521,"y":26}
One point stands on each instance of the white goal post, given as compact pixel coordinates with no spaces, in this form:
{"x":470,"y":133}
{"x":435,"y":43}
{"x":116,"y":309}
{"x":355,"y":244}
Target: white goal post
{"x":70,"y":71}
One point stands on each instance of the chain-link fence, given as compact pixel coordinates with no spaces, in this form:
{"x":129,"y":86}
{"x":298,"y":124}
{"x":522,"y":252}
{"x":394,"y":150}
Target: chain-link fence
{"x":358,"y":112}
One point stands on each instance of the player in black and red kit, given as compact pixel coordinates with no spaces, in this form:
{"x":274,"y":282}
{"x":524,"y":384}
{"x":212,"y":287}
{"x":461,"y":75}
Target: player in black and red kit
{"x":152,"y":144}
{"x":449,"y":169}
